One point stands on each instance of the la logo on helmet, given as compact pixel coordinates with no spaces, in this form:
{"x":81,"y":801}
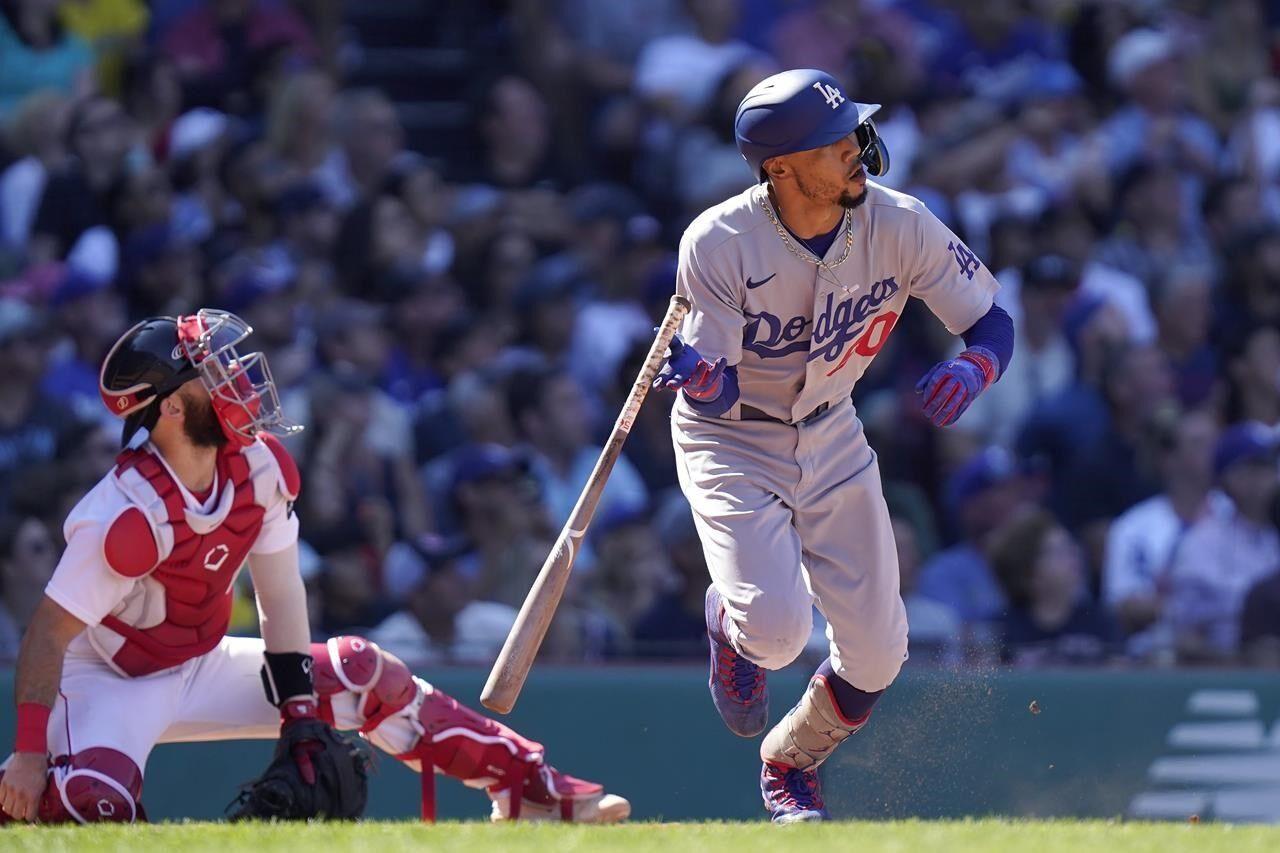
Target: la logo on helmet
{"x":829,"y":93}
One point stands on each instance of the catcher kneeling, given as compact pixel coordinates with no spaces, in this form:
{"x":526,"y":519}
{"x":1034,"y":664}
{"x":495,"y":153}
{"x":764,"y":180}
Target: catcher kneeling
{"x":128,"y":649}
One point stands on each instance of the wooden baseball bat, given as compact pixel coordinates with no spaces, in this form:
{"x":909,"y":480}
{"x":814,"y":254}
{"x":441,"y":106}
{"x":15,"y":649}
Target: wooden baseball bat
{"x":512,"y":666}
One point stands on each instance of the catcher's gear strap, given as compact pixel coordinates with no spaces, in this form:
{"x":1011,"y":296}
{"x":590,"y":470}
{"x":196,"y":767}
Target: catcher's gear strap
{"x":469,"y":746}
{"x":285,"y":676}
{"x":810,"y":731}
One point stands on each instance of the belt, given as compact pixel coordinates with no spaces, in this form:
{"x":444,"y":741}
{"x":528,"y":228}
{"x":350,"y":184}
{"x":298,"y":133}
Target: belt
{"x":751,"y":413}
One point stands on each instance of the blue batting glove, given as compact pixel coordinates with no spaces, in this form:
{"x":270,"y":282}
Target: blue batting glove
{"x":686,"y":369}
{"x":950,"y":387}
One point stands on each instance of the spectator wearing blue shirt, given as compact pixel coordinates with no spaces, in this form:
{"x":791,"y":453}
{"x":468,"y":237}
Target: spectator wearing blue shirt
{"x":984,"y":491}
{"x":90,"y":315}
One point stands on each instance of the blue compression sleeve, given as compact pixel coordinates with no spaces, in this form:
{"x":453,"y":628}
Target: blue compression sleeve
{"x":994,"y":330}
{"x":724,"y":402}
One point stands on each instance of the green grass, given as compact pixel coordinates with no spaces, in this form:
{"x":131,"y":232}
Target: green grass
{"x":1020,"y":836}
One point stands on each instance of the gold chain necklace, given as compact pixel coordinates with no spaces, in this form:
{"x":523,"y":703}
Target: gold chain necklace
{"x":807,"y":255}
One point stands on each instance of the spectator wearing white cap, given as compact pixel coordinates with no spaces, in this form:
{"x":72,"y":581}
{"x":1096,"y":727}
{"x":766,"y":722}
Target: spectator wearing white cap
{"x":1147,"y":67}
{"x":197,"y":140}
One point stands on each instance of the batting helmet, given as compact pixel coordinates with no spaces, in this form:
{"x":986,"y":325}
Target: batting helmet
{"x":802,"y":109}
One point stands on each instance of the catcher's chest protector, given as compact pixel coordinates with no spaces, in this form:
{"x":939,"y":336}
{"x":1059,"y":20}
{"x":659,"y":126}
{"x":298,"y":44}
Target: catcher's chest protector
{"x":181,"y":605}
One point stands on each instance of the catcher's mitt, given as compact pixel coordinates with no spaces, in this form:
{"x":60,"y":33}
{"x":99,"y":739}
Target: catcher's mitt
{"x":317,"y":772}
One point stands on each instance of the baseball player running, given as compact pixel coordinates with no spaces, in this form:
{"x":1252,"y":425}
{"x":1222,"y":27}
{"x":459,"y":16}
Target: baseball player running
{"x":128,"y":647}
{"x":796,"y":284}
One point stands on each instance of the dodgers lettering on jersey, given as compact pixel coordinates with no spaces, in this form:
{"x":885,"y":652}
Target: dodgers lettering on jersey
{"x":798,"y":338}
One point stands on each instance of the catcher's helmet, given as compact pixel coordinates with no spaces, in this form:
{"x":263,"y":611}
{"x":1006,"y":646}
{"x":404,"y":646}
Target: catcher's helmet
{"x":160,"y":354}
{"x":802,"y":109}
{"x":144,"y":366}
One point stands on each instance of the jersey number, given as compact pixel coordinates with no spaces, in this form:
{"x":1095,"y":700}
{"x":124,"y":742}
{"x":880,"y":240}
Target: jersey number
{"x":871,"y":341}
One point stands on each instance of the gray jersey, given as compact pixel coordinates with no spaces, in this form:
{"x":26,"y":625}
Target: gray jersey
{"x":797,"y":338}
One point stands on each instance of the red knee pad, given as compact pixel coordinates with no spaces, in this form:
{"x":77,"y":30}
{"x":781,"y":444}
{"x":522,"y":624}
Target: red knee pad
{"x":97,"y":785}
{"x":381,"y":680}
{"x":101,"y":785}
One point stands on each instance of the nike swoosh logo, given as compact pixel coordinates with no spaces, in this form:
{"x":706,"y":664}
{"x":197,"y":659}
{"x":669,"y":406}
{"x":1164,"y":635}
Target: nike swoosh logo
{"x":752,"y":285}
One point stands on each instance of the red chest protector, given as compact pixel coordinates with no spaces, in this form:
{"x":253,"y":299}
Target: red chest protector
{"x":186,"y":578}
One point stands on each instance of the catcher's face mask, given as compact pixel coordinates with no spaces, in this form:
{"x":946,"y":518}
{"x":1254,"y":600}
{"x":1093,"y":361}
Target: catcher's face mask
{"x":243,"y":393}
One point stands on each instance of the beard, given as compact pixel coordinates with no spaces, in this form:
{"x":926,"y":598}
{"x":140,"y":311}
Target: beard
{"x":201,"y":425}
{"x":849,"y":201}
{"x":826,"y":191}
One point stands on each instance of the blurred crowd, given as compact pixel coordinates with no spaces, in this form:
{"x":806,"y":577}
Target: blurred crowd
{"x":457,"y":319}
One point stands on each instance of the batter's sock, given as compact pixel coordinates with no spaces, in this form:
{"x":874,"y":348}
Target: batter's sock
{"x":854,"y":704}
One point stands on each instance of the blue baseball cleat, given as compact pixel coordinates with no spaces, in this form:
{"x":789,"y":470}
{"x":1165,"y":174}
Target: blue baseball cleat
{"x":738,"y":687}
{"x":792,"y":795}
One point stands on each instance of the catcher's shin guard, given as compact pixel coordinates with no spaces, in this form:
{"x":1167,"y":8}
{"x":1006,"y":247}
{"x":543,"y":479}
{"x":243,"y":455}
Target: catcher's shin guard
{"x":96,"y":785}
{"x":810,"y":731}
{"x":484,"y":753}
{"x":431,"y":731}
{"x":426,"y":729}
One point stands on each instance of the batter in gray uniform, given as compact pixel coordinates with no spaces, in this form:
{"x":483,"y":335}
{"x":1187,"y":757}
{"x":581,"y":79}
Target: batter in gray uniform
{"x":795,"y":285}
